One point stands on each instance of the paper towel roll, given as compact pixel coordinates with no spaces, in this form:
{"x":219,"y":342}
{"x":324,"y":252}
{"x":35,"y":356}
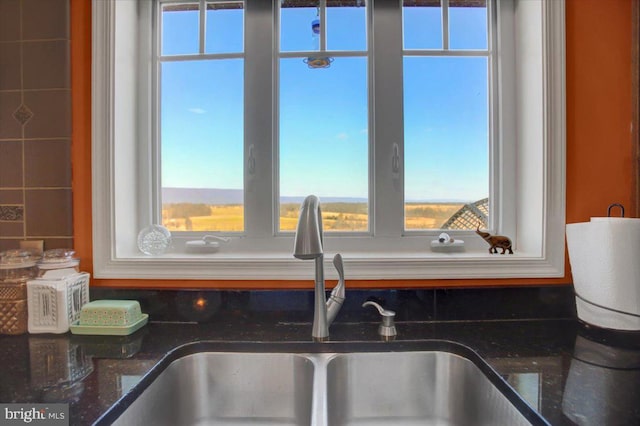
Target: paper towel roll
{"x":605,"y":263}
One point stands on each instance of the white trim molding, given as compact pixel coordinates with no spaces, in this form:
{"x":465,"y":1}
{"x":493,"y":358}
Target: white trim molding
{"x":539,"y":168}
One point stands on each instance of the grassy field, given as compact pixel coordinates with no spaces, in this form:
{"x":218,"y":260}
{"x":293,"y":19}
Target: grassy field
{"x":428,"y":216}
{"x":335,"y":217}
{"x":227,"y":218}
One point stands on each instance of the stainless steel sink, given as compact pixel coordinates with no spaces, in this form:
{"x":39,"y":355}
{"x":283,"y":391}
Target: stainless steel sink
{"x":434,"y":383}
{"x":227,"y":388}
{"x":414,"y":388}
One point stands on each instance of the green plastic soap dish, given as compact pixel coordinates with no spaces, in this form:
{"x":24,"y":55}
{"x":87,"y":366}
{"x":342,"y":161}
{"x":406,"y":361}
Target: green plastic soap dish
{"x":110,"y":317}
{"x":109,"y":330}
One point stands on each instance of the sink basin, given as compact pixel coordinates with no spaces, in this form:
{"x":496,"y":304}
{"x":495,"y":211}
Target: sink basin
{"x":227,"y":388}
{"x":434,"y":383}
{"x":414,"y":388}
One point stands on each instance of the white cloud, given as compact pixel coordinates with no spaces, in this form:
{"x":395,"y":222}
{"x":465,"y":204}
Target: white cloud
{"x":197,"y":110}
{"x":342,"y":136}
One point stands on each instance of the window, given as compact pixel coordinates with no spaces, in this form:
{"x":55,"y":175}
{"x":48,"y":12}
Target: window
{"x":401,"y":116}
{"x":200,"y":116}
{"x":323,"y":112}
{"x":449,"y":53}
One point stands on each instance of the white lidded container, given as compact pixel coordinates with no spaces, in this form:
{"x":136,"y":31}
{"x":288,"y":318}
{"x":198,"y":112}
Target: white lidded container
{"x":58,"y":293}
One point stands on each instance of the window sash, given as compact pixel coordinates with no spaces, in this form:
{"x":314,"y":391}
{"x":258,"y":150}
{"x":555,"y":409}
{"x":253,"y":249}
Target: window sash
{"x":278,"y":55}
{"x":158,"y":59}
{"x":261,"y":157}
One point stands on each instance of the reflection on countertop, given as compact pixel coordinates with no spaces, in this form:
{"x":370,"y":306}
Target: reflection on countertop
{"x":570,"y":373}
{"x":603,"y":383}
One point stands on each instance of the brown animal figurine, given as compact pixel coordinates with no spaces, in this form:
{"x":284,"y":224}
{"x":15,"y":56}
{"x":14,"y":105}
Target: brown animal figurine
{"x":495,"y":241}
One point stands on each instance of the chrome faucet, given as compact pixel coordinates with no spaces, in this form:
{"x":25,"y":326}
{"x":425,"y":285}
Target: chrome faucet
{"x":308,"y":245}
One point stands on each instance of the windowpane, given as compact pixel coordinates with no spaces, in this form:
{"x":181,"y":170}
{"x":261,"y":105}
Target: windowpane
{"x":202,"y":145}
{"x":224,"y":28}
{"x":180,"y":29}
{"x":324,"y":141}
{"x":296,"y":27}
{"x":347,"y":26}
{"x":446,"y":137}
{"x":468,"y":27}
{"x":422,"y":25}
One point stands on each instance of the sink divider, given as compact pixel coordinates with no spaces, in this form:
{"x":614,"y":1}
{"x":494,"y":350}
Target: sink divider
{"x":319,"y":406}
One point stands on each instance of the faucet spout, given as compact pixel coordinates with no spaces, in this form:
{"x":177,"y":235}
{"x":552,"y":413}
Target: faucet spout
{"x":308,"y":240}
{"x":308,"y":245}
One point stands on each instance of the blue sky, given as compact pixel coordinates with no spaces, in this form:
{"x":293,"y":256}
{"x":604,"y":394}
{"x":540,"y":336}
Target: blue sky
{"x":323,"y":117}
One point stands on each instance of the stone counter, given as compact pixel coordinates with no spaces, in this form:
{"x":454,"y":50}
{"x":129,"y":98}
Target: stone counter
{"x":568,"y":372}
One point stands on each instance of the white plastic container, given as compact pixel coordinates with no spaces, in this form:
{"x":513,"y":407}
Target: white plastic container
{"x":55,"y":300}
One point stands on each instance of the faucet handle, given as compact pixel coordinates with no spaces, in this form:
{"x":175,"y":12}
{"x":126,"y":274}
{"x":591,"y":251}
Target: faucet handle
{"x":388,"y":327}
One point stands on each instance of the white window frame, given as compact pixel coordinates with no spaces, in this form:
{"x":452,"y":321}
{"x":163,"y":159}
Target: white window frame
{"x":531,"y":180}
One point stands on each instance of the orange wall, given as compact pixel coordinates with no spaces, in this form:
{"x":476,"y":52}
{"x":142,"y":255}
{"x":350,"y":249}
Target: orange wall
{"x":600,"y":166}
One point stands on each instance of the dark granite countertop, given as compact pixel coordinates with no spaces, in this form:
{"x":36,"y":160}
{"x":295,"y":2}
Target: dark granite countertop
{"x":567,"y":371}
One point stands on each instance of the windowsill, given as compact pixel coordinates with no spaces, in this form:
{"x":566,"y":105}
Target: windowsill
{"x":354,"y":256}
{"x":357,"y":265}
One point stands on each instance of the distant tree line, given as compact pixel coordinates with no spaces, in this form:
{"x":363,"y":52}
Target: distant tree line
{"x":353,"y":208}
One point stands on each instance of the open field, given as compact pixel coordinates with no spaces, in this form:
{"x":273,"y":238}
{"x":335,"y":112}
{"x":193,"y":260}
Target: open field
{"x":335,"y":216}
{"x":224,"y":218}
{"x":428,"y":216}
